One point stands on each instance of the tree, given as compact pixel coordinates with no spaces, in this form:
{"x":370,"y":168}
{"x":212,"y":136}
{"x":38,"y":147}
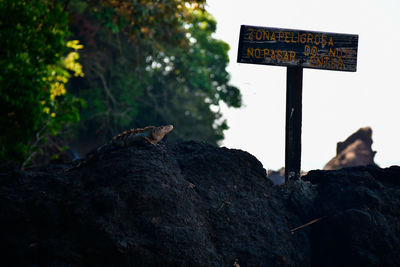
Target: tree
{"x":33,"y":71}
{"x":152,"y":62}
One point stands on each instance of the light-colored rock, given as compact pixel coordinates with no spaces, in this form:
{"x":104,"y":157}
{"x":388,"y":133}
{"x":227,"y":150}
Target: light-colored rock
{"x":354,"y":151}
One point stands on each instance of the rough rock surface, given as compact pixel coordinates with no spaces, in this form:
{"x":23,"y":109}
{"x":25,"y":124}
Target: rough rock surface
{"x":362,"y":228}
{"x":354,"y":151}
{"x":192,"y":204}
{"x":277,"y":177}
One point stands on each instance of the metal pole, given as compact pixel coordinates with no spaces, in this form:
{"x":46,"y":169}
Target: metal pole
{"x":294,"y":88}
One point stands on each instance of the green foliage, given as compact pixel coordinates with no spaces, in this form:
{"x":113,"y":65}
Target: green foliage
{"x":152,"y":62}
{"x":146,"y":62}
{"x":62,"y":107}
{"x":32,"y":35}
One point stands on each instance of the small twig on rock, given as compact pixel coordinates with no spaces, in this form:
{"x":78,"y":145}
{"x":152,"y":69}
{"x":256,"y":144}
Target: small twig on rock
{"x":223,"y":204}
{"x":307,"y":224}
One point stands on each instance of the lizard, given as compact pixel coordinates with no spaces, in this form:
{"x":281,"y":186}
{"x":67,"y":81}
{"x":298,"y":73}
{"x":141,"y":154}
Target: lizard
{"x":149,"y":134}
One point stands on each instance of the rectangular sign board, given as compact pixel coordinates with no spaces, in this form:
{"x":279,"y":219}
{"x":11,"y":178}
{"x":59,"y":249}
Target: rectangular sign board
{"x":307,"y":49}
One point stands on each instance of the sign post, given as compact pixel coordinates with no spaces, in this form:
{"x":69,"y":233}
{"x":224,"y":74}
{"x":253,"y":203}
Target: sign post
{"x":294,"y":90}
{"x":296,"y":49}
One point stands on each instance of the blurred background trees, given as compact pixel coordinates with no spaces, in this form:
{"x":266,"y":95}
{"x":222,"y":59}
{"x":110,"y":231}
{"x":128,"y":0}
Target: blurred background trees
{"x":35,"y":64}
{"x":144,"y":63}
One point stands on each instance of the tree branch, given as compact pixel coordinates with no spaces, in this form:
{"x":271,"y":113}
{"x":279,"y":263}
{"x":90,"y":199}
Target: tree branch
{"x":105,"y":86}
{"x":66,"y":5}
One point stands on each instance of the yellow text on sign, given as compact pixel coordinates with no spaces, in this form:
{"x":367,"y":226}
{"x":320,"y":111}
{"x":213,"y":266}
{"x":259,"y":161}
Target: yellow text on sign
{"x":334,"y":60}
{"x":280,"y":55}
{"x":290,"y":37}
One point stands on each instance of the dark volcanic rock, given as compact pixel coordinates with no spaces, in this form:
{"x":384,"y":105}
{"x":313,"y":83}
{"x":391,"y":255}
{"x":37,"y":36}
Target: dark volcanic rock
{"x":192,"y":204}
{"x":277,"y":177}
{"x":354,"y":151}
{"x":189,"y":204}
{"x":362,"y":228}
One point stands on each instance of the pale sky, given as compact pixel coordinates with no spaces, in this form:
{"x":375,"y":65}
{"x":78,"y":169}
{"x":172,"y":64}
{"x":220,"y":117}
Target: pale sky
{"x":335,"y":104}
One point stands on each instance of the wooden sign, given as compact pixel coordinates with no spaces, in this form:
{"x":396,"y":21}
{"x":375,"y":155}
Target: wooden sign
{"x":297,"y":48}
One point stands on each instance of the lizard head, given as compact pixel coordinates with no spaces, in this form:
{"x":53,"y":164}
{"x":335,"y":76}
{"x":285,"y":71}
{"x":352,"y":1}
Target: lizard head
{"x":161,"y":131}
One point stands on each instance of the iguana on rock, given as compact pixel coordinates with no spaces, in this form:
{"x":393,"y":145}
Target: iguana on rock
{"x":149,"y":134}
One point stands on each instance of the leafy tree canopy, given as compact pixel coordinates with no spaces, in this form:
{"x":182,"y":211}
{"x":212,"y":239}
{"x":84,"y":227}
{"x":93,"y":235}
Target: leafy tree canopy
{"x":33,"y":71}
{"x":145,"y":62}
{"x":152,"y":62}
